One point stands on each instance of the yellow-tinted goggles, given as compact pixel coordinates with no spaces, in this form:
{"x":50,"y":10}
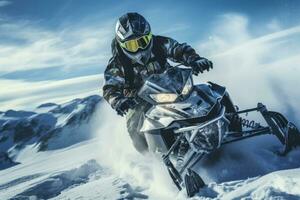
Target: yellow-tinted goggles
{"x":136,"y":44}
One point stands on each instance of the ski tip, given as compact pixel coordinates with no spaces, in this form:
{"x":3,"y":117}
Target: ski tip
{"x":193,"y":183}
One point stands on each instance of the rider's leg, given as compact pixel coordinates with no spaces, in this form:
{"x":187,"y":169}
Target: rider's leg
{"x":135,"y":120}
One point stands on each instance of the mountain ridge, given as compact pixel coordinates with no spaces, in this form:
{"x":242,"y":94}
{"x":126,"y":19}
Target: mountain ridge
{"x":21,"y":128}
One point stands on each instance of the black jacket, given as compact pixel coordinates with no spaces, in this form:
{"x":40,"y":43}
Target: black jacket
{"x":123,"y":77}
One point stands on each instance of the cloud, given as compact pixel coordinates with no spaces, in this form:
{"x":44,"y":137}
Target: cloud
{"x":16,"y":94}
{"x":274,"y":25}
{"x":228,"y":30}
{"x":249,"y":65}
{"x":5,"y":3}
{"x":25,"y":45}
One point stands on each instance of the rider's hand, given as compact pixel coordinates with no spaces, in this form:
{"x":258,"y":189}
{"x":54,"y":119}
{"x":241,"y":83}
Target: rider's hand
{"x":201,"y":65}
{"x":124,"y":105}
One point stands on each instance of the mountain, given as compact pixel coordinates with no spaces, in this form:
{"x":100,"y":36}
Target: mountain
{"x":49,"y":126}
{"x":6,"y":161}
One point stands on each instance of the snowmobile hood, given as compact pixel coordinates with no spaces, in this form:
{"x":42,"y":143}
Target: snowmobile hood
{"x":199,"y":104}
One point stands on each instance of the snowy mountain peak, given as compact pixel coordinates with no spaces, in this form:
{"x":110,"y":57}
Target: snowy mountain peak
{"x":45,"y":125}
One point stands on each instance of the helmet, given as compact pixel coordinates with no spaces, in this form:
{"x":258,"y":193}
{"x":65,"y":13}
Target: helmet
{"x":133,"y":34}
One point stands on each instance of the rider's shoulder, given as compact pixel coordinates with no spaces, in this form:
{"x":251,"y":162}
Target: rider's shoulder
{"x":163,"y":39}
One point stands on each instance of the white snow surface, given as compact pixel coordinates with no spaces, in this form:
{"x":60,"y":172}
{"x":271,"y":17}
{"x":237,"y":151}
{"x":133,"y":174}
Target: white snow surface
{"x":107,"y":167}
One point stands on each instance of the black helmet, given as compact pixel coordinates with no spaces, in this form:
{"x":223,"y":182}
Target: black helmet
{"x":133,"y":34}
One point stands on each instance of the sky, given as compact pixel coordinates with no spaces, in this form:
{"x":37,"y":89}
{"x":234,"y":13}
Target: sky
{"x":58,"y":39}
{"x":46,"y":45}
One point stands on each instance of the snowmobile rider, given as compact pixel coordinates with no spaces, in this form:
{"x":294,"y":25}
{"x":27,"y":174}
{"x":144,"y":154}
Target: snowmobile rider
{"x":136,"y":54}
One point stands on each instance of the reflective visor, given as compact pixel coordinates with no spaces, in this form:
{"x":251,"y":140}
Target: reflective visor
{"x":135,"y":44}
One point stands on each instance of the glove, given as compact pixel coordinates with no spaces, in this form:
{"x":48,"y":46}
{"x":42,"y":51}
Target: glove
{"x":201,"y":65}
{"x":124,"y":105}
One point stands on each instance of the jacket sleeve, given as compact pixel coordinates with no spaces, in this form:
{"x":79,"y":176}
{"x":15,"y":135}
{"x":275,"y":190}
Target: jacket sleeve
{"x":114,"y":82}
{"x":179,"y":52}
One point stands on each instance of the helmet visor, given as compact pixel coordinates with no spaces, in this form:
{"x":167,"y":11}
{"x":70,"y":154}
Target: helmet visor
{"x":135,"y":44}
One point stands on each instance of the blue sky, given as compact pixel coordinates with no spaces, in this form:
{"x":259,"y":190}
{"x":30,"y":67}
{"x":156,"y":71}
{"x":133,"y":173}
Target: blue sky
{"x":58,"y":39}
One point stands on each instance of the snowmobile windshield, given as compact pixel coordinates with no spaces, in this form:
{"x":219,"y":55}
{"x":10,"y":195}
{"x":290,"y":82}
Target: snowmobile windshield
{"x":168,"y":86}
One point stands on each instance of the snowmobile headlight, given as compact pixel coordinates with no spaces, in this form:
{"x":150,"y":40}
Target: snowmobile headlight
{"x":187,"y":87}
{"x":164,"y":97}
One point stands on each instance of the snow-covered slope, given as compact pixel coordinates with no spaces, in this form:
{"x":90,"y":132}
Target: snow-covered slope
{"x":80,"y":150}
{"x":276,"y":185}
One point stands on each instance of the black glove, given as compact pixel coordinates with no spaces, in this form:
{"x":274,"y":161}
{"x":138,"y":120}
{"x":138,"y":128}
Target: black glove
{"x":201,"y":65}
{"x":124,"y":105}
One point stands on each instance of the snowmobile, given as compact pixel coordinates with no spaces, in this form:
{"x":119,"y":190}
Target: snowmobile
{"x":186,"y":122}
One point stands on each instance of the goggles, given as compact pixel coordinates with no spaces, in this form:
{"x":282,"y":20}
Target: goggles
{"x":135,"y":44}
